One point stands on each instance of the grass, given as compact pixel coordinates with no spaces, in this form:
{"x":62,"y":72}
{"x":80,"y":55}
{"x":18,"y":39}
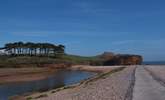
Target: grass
{"x":35,"y":61}
{"x":29,"y":98}
{"x":79,"y":59}
{"x":24,"y":60}
{"x":41,"y":96}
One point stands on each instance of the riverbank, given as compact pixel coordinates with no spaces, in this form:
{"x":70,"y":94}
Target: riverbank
{"x":97,"y":69}
{"x":112,"y":85}
{"x":15,"y":75}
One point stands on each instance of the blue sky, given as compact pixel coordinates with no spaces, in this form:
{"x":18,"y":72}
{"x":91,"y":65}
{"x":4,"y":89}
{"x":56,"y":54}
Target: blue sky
{"x":88,"y":27}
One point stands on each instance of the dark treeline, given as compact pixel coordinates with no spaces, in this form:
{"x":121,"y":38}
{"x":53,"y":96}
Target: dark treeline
{"x":33,"y":49}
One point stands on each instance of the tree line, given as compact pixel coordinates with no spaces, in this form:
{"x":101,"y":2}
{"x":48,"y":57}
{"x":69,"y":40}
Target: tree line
{"x":33,"y":49}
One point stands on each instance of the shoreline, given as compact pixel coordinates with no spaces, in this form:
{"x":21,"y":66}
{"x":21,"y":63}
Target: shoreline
{"x":97,"y":69}
{"x":18,"y":75}
{"x":102,"y":73}
{"x":27,"y":74}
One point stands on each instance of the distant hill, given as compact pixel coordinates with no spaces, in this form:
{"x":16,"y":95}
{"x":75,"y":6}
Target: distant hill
{"x":106,"y":59}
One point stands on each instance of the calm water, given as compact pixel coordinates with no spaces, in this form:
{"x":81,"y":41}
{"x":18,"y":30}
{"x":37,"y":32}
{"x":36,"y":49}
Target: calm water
{"x":154,"y":63}
{"x":59,"y":79}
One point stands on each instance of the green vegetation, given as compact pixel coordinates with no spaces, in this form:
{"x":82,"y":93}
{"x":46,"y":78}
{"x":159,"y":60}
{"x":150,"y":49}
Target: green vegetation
{"x":30,"y":54}
{"x":37,"y":61}
{"x":29,"y":98}
{"x":41,"y":96}
{"x":20,"y":61}
{"x":79,"y":59}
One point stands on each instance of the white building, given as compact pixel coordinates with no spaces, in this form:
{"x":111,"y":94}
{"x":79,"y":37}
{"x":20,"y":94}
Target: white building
{"x":2,"y":52}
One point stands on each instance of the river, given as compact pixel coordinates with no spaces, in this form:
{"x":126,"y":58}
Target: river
{"x":59,"y":79}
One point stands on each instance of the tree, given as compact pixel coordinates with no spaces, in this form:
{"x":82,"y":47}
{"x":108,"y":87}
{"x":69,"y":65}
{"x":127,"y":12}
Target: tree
{"x":33,"y":49}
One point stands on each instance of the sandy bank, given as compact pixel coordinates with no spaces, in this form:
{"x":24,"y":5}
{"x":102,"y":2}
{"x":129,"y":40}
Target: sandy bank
{"x":11,"y":75}
{"x":29,"y":73}
{"x":113,"y":85}
{"x":94,"y":68}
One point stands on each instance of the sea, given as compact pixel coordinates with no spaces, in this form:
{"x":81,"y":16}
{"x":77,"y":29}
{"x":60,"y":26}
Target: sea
{"x":154,"y":62}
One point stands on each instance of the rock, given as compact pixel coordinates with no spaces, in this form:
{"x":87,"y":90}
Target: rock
{"x":107,"y":55}
{"x":124,"y":60}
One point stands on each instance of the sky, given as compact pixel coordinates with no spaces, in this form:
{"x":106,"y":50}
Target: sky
{"x":88,"y":27}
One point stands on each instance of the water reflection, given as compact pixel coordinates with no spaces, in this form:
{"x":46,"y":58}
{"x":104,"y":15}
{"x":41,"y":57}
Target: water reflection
{"x":59,"y":79}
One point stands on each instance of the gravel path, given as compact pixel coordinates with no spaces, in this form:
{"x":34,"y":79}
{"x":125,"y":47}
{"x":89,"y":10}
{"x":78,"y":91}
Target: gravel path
{"x":158,"y":73}
{"x":146,"y":87}
{"x":112,"y":87}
